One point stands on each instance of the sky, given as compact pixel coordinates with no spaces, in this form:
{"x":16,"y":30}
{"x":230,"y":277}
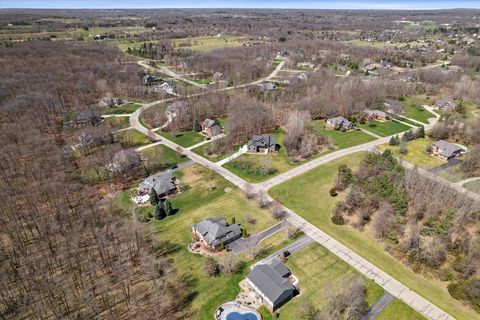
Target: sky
{"x":287,"y":4}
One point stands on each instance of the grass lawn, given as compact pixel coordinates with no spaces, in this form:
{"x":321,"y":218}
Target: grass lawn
{"x":214,"y":157}
{"x":385,"y":128}
{"x":91,"y":174}
{"x":124,"y":122}
{"x":473,"y":186}
{"x":340,"y":139}
{"x":320,"y":274}
{"x":123,"y":109}
{"x":133,"y":138}
{"x":185,"y":139}
{"x":315,"y":205}
{"x":417,"y":153}
{"x":206,"y":194}
{"x":398,"y":310}
{"x":278,"y":163}
{"x":208,"y":43}
{"x":414,"y":109}
{"x":162,"y":155}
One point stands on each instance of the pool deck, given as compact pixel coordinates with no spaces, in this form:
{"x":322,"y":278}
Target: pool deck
{"x":230,"y":307}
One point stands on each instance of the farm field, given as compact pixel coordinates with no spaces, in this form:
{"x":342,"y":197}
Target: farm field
{"x":417,"y":153}
{"x":208,"y":43}
{"x":340,"y":139}
{"x":316,"y":206}
{"x":386,"y":128}
{"x":320,"y":273}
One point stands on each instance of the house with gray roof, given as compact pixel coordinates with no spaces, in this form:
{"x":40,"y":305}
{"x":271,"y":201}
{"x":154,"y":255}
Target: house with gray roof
{"x":149,"y":79}
{"x":123,"y":160}
{"x":444,"y":104}
{"x":393,"y":106}
{"x":445,"y":150}
{"x":163,"y":184}
{"x":375,"y":115}
{"x":339,"y":123}
{"x":175,"y":108}
{"x":262,"y":143}
{"x":215,"y":232}
{"x":268,"y":86}
{"x":271,"y":283}
{"x":211,"y":128}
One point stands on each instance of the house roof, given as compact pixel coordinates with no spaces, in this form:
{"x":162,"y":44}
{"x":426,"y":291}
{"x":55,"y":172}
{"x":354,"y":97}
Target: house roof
{"x":270,"y":282}
{"x":124,"y":159}
{"x":280,"y":268}
{"x":215,"y":130}
{"x":176,"y":106}
{"x":216,"y":230}
{"x":447,"y":149}
{"x":376,"y":113}
{"x":269,"y":86}
{"x":262,"y":141}
{"x":163,"y":183}
{"x":339,"y":121}
{"x":394,"y":105}
{"x":208,"y":123}
{"x":442,"y":103}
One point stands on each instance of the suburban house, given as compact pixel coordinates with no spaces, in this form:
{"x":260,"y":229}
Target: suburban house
{"x":168,"y":87}
{"x":407,"y":78}
{"x":393,"y":106}
{"x":386,"y":64}
{"x":444,"y":104}
{"x":149,"y":79}
{"x":339,"y":123}
{"x":211,"y":128}
{"x":268,"y":86}
{"x":262,"y":143}
{"x":445,"y":150}
{"x":215,"y":232}
{"x":218,"y":76}
{"x":375,"y":115}
{"x":110,"y":102}
{"x":282,"y":54}
{"x":174,"y":109}
{"x":306,"y":65}
{"x":271,"y":283}
{"x":163,"y":184}
{"x":123,"y":160}
{"x":370,"y":67}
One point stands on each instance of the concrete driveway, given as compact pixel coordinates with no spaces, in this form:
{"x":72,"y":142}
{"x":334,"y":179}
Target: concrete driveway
{"x":243,"y":244}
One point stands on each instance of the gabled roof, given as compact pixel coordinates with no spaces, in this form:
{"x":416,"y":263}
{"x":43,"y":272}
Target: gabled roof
{"x":271,"y":284}
{"x":208,"y":123}
{"x":447,"y":149}
{"x":376,"y":113}
{"x":216,"y":230}
{"x":442,"y":103}
{"x":262,"y":141}
{"x":339,"y":121}
{"x":163,"y":183}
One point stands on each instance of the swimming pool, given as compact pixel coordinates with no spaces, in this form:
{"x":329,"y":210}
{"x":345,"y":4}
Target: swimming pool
{"x":242,"y":316}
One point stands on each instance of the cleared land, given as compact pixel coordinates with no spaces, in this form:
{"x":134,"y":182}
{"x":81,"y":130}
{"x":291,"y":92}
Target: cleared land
{"x":417,"y":153}
{"x":340,"y":139}
{"x":398,"y":310}
{"x":414,"y":110}
{"x":385,"y":128}
{"x":208,"y":43}
{"x":320,"y":273}
{"x":315,"y":204}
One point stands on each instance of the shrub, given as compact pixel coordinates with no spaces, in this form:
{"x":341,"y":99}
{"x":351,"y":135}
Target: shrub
{"x":338,"y":219}
{"x":333,"y":192}
{"x":456,"y":290}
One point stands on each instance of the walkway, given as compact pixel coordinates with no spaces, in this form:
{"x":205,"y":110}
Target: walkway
{"x":218,"y":136}
{"x":242,"y":150}
{"x":243,"y":244}
{"x":378,"y":306}
{"x":371,"y":133}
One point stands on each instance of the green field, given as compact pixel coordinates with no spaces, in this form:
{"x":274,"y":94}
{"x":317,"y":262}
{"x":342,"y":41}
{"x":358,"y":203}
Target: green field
{"x":123,"y":109}
{"x":385,"y":128}
{"x":340,"y":139}
{"x":320,"y":273}
{"x":414,"y":110}
{"x":398,"y":310}
{"x":133,"y":138}
{"x":208,"y":43}
{"x":162,"y":155}
{"x":185,"y":139}
{"x":417,"y":153}
{"x":315,"y":204}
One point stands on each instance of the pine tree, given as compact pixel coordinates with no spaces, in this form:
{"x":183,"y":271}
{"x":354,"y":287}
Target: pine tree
{"x":160,"y":211}
{"x":392,"y":141}
{"x":421,"y":132}
{"x":196,"y":126}
{"x":153,"y":197}
{"x":167,"y":206}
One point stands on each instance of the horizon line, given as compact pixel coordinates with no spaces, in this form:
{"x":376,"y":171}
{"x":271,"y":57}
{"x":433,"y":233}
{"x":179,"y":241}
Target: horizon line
{"x":233,"y":8}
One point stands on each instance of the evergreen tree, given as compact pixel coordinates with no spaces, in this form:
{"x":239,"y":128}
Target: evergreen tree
{"x":244,"y":232}
{"x":153,"y":197}
{"x":421,"y":132}
{"x":233,"y":220}
{"x":392,"y":142}
{"x":196,"y":126}
{"x":167,"y":207}
{"x":160,"y":211}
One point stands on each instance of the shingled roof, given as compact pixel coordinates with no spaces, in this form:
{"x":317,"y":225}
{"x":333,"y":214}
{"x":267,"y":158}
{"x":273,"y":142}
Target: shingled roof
{"x":216,"y":230}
